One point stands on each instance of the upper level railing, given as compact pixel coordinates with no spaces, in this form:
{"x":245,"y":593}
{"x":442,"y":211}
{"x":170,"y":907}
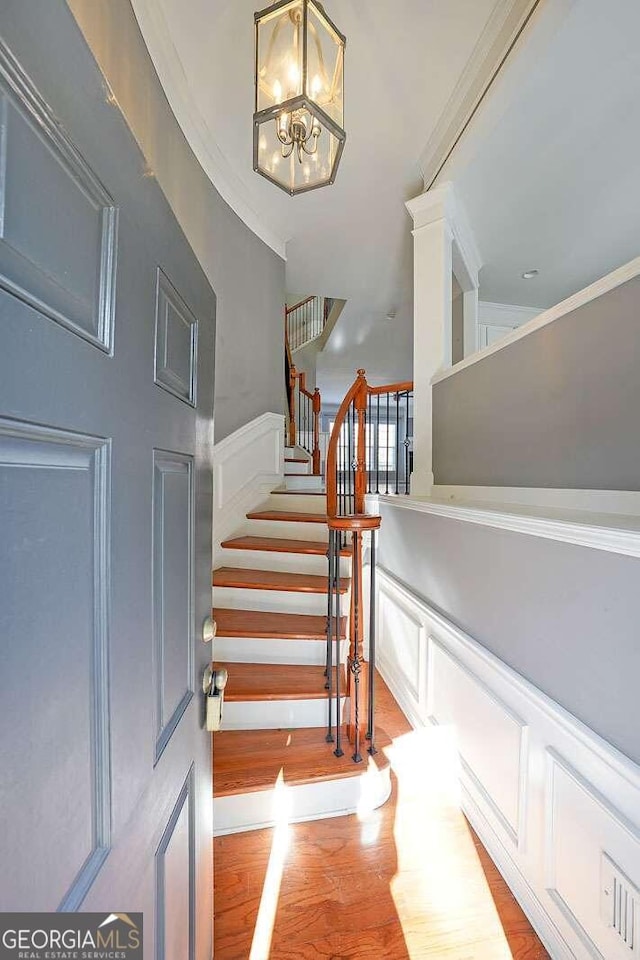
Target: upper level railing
{"x":369,"y":449}
{"x":307,"y":319}
{"x":371,"y":445}
{"x":304,"y":417}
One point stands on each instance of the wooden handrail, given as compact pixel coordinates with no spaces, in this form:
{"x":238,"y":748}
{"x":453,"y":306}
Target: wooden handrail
{"x":332,"y":450}
{"x":288,"y":310}
{"x":358,"y":393}
{"x":392,"y":387}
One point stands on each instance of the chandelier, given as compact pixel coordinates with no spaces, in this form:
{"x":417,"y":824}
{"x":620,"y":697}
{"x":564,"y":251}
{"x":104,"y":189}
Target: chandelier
{"x":298,"y":134}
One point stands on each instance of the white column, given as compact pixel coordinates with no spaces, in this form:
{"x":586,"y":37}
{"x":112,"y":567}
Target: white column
{"x":470,"y":321}
{"x":442,"y":245}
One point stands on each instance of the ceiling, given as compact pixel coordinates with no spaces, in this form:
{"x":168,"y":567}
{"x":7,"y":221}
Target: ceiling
{"x":352,"y":240}
{"x":548,"y":169}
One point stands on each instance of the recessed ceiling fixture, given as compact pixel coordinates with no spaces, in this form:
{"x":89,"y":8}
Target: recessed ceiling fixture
{"x":298,"y":134}
{"x":529,"y":274}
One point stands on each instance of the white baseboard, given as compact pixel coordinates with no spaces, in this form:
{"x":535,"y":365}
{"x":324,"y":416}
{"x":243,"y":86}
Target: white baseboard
{"x":247,"y":465}
{"x":550,"y":800}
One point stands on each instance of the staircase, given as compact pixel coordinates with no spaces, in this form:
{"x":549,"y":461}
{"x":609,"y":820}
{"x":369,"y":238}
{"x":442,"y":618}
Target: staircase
{"x":272,"y":760}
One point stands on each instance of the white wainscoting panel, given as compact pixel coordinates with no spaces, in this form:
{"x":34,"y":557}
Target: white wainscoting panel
{"x":247,"y":465}
{"x":402,"y":650}
{"x":491,"y":738}
{"x":556,"y":806}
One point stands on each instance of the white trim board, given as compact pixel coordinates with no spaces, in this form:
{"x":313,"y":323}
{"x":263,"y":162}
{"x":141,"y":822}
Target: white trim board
{"x":614,"y":533}
{"x":505,"y":314}
{"x":247,"y":465}
{"x":503,"y":26}
{"x":547,"y":796}
{"x":612,"y":280}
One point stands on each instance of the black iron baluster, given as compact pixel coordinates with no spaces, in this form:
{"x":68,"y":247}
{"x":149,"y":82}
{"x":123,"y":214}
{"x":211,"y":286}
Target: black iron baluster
{"x":355,"y":663}
{"x":397,"y":443}
{"x":369,"y":444}
{"x":339,"y":752}
{"x":377,"y":443}
{"x":372,"y":647}
{"x":329,"y":670}
{"x":386,"y":464}
{"x":406,"y":446}
{"x":349,"y":455}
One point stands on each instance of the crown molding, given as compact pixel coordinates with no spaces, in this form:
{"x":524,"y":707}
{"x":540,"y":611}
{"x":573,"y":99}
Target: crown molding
{"x":505,"y":23}
{"x":168,"y":65}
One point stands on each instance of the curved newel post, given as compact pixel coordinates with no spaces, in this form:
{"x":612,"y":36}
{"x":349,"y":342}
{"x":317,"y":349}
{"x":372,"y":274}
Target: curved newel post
{"x":360,"y":673}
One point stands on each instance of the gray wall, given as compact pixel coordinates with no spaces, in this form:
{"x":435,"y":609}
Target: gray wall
{"x":563,"y":616}
{"x":559,"y":408}
{"x":247,"y":276}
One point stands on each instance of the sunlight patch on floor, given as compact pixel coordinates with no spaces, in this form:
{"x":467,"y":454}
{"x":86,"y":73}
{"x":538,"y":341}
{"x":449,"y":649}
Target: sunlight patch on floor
{"x":265,"y":921}
{"x":440,"y":886}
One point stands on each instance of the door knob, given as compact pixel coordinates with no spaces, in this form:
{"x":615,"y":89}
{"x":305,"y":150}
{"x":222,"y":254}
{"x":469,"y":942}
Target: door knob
{"x":209,"y":630}
{"x":213,"y":684}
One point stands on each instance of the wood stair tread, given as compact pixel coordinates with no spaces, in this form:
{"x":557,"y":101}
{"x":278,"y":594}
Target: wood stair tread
{"x":245,"y":761}
{"x":272,"y":626}
{"x":288,"y":516}
{"x":273,"y":580}
{"x":277,"y":545}
{"x":296,"y":460}
{"x":268,"y":681}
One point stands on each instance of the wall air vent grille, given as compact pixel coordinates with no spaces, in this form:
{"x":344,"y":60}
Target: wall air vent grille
{"x":620,"y":903}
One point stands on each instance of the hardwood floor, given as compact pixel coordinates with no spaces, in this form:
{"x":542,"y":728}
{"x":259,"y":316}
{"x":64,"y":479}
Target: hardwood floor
{"x":407,"y":881}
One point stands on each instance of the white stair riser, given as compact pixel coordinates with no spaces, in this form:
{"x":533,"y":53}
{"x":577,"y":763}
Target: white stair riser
{"x":287,"y":562}
{"x":298,"y":502}
{"x":256,"y":650}
{"x":304,"y":482}
{"x":276,"y":714}
{"x":307,"y":801}
{"x":241,"y":598}
{"x":285,"y":529}
{"x":298,"y":467}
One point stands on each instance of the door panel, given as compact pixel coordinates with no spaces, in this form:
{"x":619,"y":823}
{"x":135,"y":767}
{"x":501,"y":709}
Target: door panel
{"x":173,"y":591}
{"x":106,"y":403}
{"x":57,"y":484}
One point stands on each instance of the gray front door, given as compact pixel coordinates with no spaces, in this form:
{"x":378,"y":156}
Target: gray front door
{"x":106,"y":406}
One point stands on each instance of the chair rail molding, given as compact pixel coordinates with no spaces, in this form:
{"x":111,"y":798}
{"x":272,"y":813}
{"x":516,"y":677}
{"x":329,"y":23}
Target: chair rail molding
{"x":550,"y":799}
{"x":247,"y":465}
{"x":614,"y":531}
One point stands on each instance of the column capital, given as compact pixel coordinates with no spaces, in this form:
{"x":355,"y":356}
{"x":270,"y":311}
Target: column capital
{"x":442,"y":204}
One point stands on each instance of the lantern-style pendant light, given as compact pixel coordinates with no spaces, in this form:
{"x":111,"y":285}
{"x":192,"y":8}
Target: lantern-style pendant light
{"x":298,"y":134}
